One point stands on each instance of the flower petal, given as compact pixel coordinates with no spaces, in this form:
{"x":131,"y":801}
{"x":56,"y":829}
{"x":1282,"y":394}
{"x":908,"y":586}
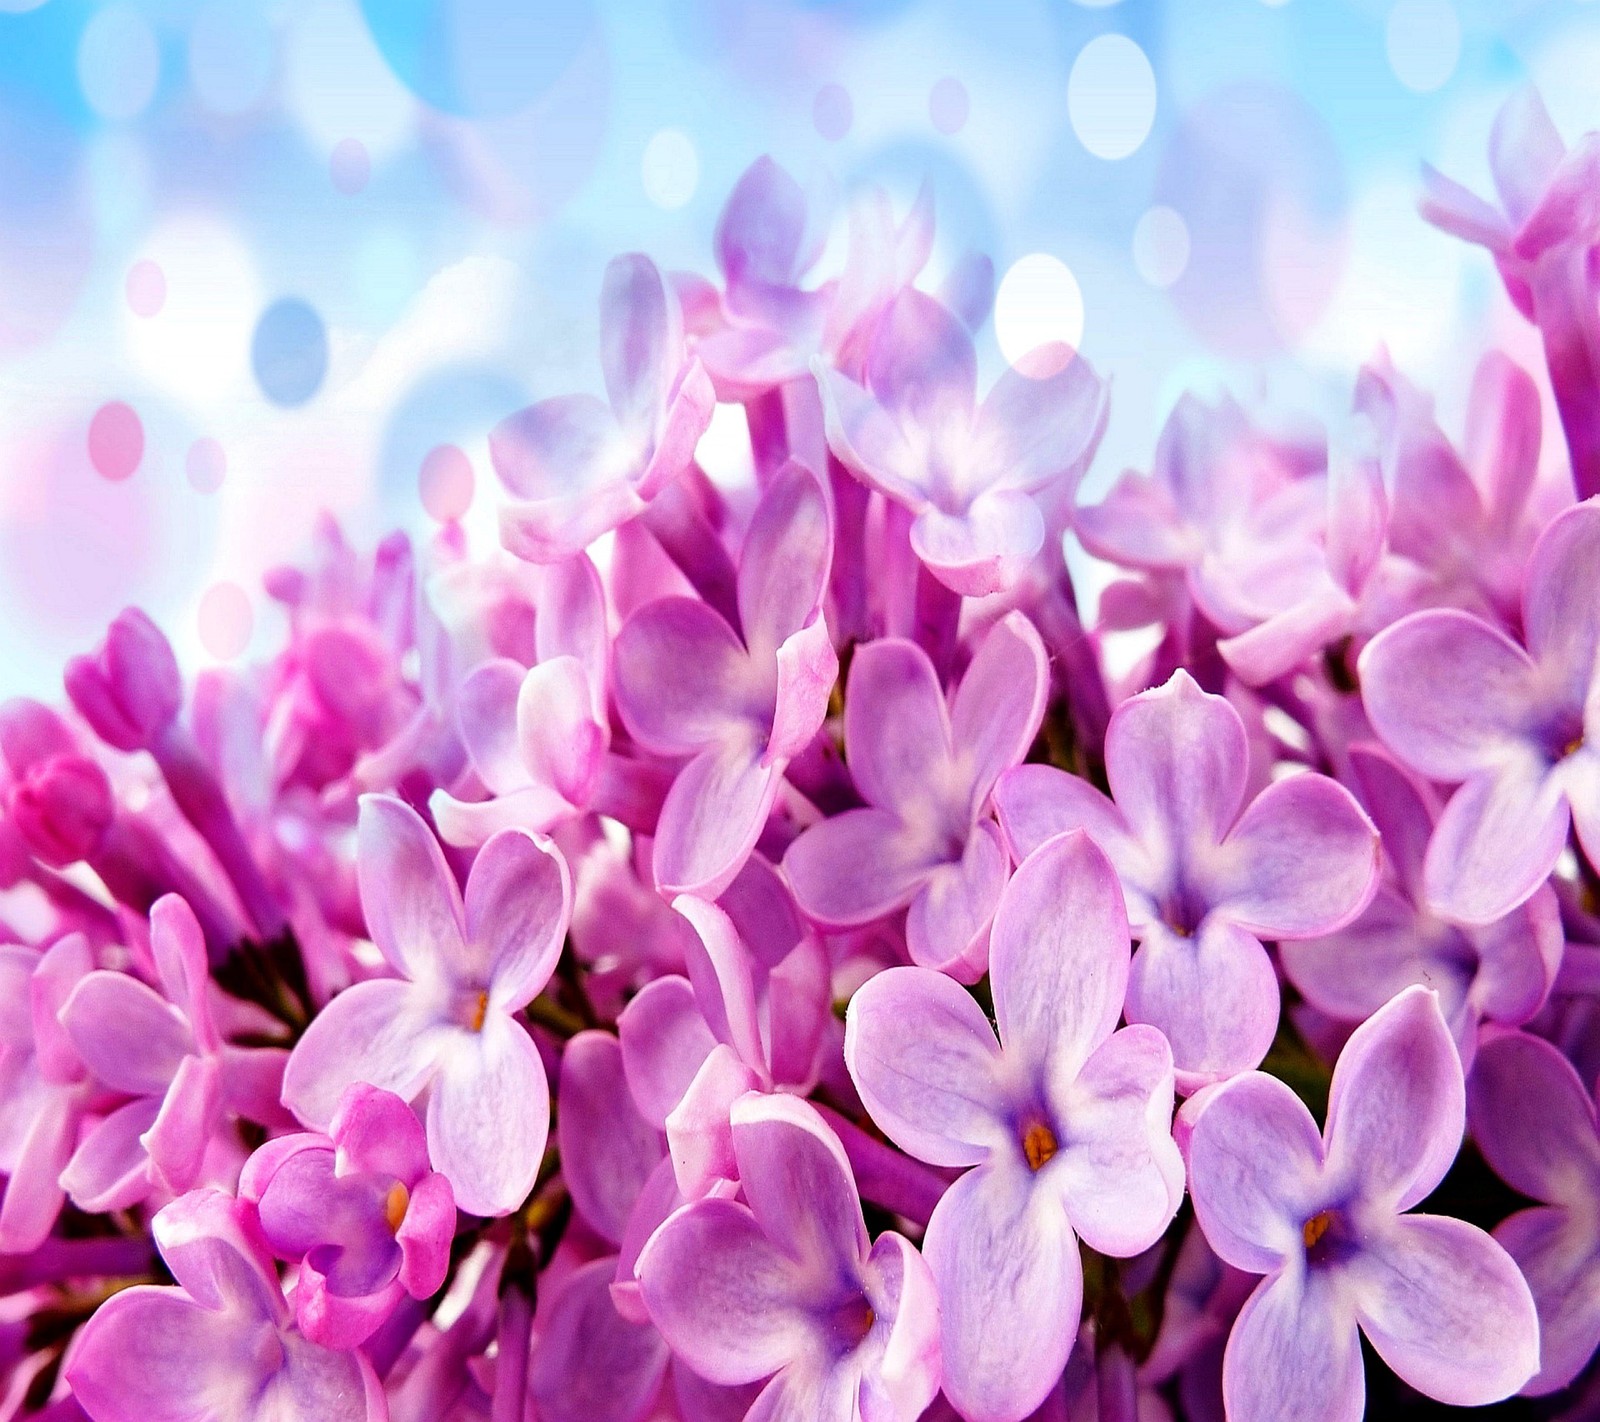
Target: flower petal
{"x":997,"y":709}
{"x":1448,"y":693}
{"x":783,"y":567}
{"x":984,"y":549}
{"x":723,"y":1295}
{"x":590,"y":1364}
{"x":855,"y":867}
{"x":126,"y":1034}
{"x":1447,"y":1309}
{"x":408,"y":894}
{"x":1397,"y":1105}
{"x":1214,"y":996}
{"x":1534,"y":1121}
{"x":711,"y":819}
{"x":1557,"y":1256}
{"x":1303,"y":859}
{"x":110,"y":1170}
{"x":379,"y":1032}
{"x":664,"y":1040}
{"x":1034,"y":432}
{"x":489,"y":1116}
{"x":518,"y":906}
{"x":925,"y":1061}
{"x":1496,"y":843}
{"x":608,"y":1150}
{"x":486,"y":715}
{"x":1010,"y":1289}
{"x":1118,"y":1168}
{"x":1038,"y":802}
{"x":639,"y":349}
{"x":949,"y":921}
{"x":1176,"y":760}
{"x":682,"y":676}
{"x":895,"y":726}
{"x":1560,"y":621}
{"x":1058,"y":958}
{"x":1295,"y":1352}
{"x":560,"y":447}
{"x":1255,"y":1164}
{"x":559,"y":740}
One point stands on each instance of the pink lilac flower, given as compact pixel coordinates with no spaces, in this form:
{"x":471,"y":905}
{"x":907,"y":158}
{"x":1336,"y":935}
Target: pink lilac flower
{"x":1501,"y":972}
{"x":970,"y":474}
{"x":577,"y":466}
{"x":739,"y":704}
{"x":1064,"y":1122}
{"x":788,"y":1285}
{"x":1460,"y":702}
{"x":359,"y":1210}
{"x":1534,"y":1121}
{"x":222,"y":1343}
{"x":1205,"y":876}
{"x":446,"y":1024}
{"x":923,"y":840}
{"x":1324,"y":1216}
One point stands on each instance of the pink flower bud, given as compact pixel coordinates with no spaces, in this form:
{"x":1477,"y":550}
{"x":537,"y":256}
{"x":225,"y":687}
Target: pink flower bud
{"x":62,"y":808}
{"x":129,"y":691}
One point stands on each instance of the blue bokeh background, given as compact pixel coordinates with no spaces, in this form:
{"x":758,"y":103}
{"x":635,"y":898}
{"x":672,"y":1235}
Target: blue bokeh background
{"x":307,"y":242}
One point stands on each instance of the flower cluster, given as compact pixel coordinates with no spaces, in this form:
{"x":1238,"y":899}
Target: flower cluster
{"x":763,"y":950}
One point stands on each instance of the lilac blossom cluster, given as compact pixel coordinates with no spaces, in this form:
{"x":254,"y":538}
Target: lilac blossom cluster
{"x":750,"y":954}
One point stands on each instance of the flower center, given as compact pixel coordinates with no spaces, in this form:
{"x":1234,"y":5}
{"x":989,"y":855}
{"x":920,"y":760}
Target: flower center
{"x":1038,"y":1145}
{"x":480,"y":1010}
{"x":1313,"y":1230}
{"x":395,"y":1204}
{"x":852,"y":1320}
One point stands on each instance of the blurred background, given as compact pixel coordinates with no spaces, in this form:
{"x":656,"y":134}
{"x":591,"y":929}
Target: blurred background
{"x":264,"y":257}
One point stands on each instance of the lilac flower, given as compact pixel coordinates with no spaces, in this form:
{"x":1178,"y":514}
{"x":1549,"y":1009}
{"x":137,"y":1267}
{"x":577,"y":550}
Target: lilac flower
{"x":359,"y":1210}
{"x":740,"y":704}
{"x":446,"y":1025}
{"x":162,"y":1050}
{"x":1065,"y":1121}
{"x":1542,"y":244}
{"x":788,"y":1285}
{"x":1322,"y":1215}
{"x":43,"y":1091}
{"x":221,"y":1344}
{"x":1460,"y":702}
{"x":1534,"y":1121}
{"x":578,"y":466}
{"x":971,"y":475}
{"x":1205,"y":877}
{"x":1501,"y":972}
{"x":926,"y":773}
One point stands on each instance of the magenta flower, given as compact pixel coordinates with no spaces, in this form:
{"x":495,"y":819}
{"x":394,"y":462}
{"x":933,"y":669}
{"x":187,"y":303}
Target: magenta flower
{"x":1534,"y":1121}
{"x":578,"y":466}
{"x":1322,"y":1215}
{"x":220,"y":1345}
{"x":925,"y":771}
{"x":447,"y":1025}
{"x":1501,"y":972}
{"x":738,"y":704}
{"x":971,"y":475}
{"x":1460,"y":702}
{"x":359,"y":1210}
{"x":787,"y":1285}
{"x":43,"y":1091}
{"x":1205,"y":876}
{"x":163,"y":1050}
{"x":1065,"y":1122}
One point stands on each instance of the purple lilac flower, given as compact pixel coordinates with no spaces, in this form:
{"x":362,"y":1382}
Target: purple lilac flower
{"x":970,"y":474}
{"x":1459,"y":701}
{"x":1205,"y":876}
{"x":222,"y":1343}
{"x":1534,"y":1121}
{"x":1064,"y":1121}
{"x":578,"y":466}
{"x":1501,"y":972}
{"x":1323,"y":1215}
{"x":924,"y":840}
{"x":446,"y":1023}
{"x":739,"y":704}
{"x":359,"y":1210}
{"x":788,"y":1285}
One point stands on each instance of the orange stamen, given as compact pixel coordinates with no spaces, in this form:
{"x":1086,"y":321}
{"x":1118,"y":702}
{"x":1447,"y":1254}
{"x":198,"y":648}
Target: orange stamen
{"x":1038,"y":1145}
{"x":395,"y":1204}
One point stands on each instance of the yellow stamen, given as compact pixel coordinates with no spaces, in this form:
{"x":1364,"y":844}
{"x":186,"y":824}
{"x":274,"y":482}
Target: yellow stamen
{"x":479,"y":1012}
{"x":1315,"y":1227}
{"x":1573,"y":747}
{"x":395,"y":1204}
{"x":1038,"y":1145}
